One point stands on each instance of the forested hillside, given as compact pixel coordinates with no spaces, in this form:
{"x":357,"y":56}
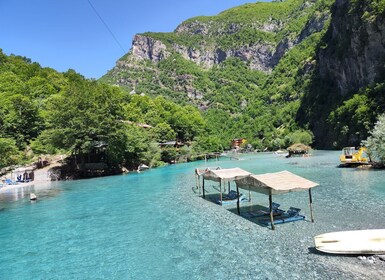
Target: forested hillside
{"x":46,"y":112}
{"x":266,"y":71}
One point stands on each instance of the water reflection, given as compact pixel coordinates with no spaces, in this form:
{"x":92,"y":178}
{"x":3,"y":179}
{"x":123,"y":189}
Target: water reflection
{"x":20,"y":192}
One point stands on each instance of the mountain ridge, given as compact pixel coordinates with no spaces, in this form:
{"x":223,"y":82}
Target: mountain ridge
{"x":285,"y":46}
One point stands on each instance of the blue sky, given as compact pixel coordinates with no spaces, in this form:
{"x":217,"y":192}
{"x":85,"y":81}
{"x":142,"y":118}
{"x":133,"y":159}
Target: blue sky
{"x":68,"y":34}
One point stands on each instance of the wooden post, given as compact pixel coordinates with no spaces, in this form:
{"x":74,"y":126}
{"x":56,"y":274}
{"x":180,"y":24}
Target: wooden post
{"x":203,"y":188}
{"x":199,"y":185}
{"x":311,"y":206}
{"x":238,"y":210}
{"x":228,"y":184}
{"x":220,"y":188}
{"x":271,"y":210}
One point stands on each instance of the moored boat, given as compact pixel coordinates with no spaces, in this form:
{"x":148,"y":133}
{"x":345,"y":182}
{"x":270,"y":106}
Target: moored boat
{"x":356,"y":242}
{"x":143,"y":167}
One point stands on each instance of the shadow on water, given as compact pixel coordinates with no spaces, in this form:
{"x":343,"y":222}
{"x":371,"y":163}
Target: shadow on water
{"x":313,"y":250}
{"x":255,"y":213}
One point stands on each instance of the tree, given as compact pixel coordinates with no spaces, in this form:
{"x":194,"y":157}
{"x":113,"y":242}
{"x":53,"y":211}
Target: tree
{"x":84,"y":112}
{"x":206,"y":144}
{"x":9,"y":152}
{"x":299,"y":136}
{"x":163,"y":132}
{"x":375,"y":143}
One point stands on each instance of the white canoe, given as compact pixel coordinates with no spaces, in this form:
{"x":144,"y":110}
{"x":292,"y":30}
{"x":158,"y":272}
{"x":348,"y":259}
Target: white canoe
{"x":357,"y":242}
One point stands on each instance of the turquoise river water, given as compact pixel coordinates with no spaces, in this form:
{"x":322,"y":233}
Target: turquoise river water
{"x":152,"y":225}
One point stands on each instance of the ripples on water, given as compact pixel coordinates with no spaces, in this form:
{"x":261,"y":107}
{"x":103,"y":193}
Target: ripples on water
{"x":153,"y":226}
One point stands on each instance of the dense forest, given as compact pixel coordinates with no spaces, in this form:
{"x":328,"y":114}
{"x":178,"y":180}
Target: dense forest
{"x":309,"y":71}
{"x":46,"y":112}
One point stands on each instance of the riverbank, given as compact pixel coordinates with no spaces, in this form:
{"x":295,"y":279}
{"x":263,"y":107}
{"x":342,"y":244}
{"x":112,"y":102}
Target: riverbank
{"x":42,"y":176}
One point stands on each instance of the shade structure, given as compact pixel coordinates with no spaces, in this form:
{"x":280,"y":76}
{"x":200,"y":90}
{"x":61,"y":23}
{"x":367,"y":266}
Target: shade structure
{"x":223,"y":175}
{"x":275,"y":183}
{"x":229,"y":174}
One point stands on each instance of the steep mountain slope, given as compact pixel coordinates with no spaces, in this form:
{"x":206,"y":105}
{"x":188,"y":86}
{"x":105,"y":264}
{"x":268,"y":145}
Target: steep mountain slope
{"x":245,"y":68}
{"x":177,"y":64}
{"x":347,"y":90}
{"x":266,"y":70}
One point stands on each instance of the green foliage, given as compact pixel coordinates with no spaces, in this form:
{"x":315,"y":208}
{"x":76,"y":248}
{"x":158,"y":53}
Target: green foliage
{"x":9,"y":152}
{"x":245,"y":25}
{"x":163,"y":132}
{"x":369,"y":9}
{"x":299,"y":136}
{"x":207,"y":144}
{"x":84,"y":112}
{"x":52,"y":112}
{"x":247,"y":13}
{"x":375,"y":143}
{"x":242,"y":102}
{"x":169,"y":154}
{"x":352,"y":121}
{"x":47,"y":142}
{"x":137,"y":147}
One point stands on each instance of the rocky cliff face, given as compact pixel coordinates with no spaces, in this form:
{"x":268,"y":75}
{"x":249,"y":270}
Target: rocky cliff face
{"x":355,"y":52}
{"x":144,"y":47}
{"x":260,"y":54}
{"x":350,"y":60}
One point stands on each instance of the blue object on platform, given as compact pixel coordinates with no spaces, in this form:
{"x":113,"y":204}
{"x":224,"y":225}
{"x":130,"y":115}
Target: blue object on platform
{"x":290,"y":215}
{"x":231,"y":197}
{"x":10,"y":182}
{"x":263,"y":213}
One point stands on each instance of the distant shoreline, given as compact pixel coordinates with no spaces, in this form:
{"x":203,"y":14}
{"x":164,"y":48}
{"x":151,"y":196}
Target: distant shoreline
{"x":41,"y":176}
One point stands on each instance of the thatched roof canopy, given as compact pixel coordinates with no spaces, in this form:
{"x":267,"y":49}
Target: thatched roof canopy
{"x":276,"y":183}
{"x":229,"y":174}
{"x":298,"y":147}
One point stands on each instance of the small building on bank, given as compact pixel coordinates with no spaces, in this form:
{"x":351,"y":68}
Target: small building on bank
{"x":237,"y":142}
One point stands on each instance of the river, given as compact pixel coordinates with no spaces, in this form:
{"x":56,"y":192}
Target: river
{"x":152,"y":225}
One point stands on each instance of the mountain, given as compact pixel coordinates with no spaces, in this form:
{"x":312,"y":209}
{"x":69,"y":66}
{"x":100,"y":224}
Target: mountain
{"x":267,"y":70}
{"x":258,"y":34}
{"x":347,"y":91}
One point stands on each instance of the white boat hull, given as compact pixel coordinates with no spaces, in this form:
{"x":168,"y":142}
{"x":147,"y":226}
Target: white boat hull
{"x":352,"y":242}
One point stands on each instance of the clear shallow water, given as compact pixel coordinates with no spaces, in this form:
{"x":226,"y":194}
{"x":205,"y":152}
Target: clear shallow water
{"x":153,"y":226}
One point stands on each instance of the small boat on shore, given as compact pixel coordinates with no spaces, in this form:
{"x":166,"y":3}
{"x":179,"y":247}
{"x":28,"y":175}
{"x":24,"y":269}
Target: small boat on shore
{"x":143,"y":167}
{"x":357,"y":242}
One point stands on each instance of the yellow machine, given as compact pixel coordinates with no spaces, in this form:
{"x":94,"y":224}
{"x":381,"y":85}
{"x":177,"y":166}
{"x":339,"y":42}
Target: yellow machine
{"x":352,"y":156}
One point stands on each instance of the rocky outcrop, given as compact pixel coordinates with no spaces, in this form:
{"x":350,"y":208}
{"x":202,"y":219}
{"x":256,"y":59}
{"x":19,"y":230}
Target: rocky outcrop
{"x":350,"y":59}
{"x":193,"y":28}
{"x":259,"y":56}
{"x":214,"y":39}
{"x":144,"y":47}
{"x":355,"y":52}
